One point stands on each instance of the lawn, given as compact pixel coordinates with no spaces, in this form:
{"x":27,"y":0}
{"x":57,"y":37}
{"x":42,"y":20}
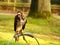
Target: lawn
{"x":47,"y":31}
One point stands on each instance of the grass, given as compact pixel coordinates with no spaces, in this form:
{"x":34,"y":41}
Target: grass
{"x":47,"y":31}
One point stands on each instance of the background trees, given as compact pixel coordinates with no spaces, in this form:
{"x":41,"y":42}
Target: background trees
{"x":40,"y":8}
{"x":55,"y":2}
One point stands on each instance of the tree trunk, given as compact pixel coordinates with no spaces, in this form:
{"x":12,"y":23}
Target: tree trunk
{"x":8,"y":1}
{"x":34,"y":5}
{"x":40,"y":8}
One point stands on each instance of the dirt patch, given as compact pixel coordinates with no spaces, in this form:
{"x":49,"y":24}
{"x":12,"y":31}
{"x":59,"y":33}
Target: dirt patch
{"x":56,"y":16}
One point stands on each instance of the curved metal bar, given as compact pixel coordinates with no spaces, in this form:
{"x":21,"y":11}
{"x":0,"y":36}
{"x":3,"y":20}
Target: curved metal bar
{"x":31,"y":35}
{"x":27,"y":34}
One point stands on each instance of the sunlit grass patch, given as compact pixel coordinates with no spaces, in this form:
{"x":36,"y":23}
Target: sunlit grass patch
{"x":47,"y":31}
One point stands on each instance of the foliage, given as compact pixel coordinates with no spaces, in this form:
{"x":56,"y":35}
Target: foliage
{"x":55,"y":2}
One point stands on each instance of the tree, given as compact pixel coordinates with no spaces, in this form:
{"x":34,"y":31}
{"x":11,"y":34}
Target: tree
{"x":40,"y":8}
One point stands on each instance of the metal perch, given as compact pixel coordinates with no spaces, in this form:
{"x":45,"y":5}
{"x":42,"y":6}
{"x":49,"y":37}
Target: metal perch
{"x":26,"y":34}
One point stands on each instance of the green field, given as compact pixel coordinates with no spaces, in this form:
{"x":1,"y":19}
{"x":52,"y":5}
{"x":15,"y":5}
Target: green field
{"x":47,"y":31}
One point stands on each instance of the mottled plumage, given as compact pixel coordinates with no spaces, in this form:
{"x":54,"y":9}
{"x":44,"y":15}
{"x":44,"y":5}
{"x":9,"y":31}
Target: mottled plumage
{"x":18,"y":22}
